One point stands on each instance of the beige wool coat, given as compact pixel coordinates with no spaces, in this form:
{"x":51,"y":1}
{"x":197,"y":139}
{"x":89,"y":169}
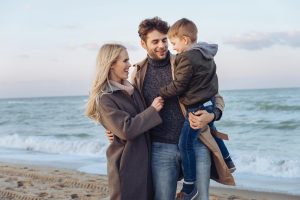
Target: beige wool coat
{"x":128,"y":156}
{"x":219,"y":169}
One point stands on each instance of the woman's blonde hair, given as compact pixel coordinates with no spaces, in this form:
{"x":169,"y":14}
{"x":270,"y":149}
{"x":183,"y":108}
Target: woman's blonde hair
{"x":107,"y":56}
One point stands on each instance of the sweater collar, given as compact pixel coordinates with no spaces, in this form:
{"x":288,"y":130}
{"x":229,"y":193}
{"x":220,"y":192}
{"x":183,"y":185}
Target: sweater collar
{"x":159,"y":63}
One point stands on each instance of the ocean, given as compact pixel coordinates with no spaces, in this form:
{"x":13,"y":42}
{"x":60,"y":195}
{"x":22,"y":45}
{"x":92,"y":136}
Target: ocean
{"x":263,"y":127}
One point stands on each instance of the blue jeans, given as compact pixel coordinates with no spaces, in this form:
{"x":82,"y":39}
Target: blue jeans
{"x":166,"y":166}
{"x":187,"y":138}
{"x":186,"y":142}
{"x":186,"y":148}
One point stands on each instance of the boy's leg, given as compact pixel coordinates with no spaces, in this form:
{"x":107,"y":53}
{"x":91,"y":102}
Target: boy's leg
{"x":165,"y":170}
{"x":203,"y":164}
{"x":186,"y":147}
{"x":219,"y":141}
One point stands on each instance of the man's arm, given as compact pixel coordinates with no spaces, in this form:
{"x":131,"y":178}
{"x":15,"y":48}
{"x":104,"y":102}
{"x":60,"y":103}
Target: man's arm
{"x":201,"y":118}
{"x":219,"y":109}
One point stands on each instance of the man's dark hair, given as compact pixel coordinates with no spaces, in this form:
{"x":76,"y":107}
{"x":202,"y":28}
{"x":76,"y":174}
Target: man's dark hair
{"x":149,"y":25}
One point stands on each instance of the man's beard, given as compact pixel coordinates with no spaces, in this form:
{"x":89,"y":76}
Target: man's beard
{"x":155,"y":55}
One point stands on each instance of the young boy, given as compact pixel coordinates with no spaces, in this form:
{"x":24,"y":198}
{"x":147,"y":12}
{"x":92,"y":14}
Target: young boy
{"x":196,"y":84}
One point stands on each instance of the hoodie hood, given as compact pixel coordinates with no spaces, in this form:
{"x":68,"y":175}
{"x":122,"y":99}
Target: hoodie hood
{"x":207,"y":50}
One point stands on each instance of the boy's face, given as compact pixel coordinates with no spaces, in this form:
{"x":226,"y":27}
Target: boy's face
{"x":156,"y":45}
{"x":179,"y":44}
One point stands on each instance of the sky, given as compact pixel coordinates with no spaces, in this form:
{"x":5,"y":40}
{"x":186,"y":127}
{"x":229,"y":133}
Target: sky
{"x":49,"y":47}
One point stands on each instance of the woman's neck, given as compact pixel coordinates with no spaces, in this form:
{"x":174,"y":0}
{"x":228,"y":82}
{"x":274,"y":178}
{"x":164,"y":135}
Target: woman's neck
{"x":114,"y":78}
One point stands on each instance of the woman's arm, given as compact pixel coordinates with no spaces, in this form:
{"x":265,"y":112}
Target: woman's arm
{"x":122,"y":124}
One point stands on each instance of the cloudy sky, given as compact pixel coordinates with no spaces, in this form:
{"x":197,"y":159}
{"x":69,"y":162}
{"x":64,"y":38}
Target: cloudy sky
{"x":48,"y":48}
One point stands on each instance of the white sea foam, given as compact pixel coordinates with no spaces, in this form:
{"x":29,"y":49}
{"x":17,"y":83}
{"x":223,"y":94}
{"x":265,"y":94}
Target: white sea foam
{"x":85,"y":147}
{"x":259,"y":164}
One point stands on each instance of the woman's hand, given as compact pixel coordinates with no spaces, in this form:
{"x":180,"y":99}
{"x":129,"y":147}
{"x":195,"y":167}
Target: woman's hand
{"x":200,"y":119}
{"x":158,"y":103}
{"x":109,"y":135}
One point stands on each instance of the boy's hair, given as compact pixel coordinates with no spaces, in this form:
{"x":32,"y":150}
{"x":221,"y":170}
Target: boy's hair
{"x":149,"y":25}
{"x":184,"y":27}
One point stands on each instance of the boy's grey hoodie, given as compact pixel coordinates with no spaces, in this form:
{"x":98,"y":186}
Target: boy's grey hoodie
{"x":207,"y":50}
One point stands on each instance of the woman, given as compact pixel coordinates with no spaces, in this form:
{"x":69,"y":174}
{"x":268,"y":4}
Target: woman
{"x":118,"y":106}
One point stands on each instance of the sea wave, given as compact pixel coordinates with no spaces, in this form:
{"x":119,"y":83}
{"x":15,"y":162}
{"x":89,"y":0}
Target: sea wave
{"x":271,"y":106}
{"x":2,"y":122}
{"x":292,"y":124}
{"x":254,"y":163}
{"x":18,"y":102}
{"x":284,"y":125}
{"x":46,"y":144}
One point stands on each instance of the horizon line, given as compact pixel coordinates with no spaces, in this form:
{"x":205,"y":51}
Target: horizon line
{"x":82,"y":95}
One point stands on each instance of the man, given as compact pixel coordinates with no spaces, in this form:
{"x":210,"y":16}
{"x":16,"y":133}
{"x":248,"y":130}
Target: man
{"x":150,"y":75}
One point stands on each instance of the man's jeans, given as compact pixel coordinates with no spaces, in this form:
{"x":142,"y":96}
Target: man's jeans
{"x":166,"y":166}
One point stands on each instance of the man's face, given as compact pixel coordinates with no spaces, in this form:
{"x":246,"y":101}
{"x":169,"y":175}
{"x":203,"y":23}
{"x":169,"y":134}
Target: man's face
{"x":156,"y":45}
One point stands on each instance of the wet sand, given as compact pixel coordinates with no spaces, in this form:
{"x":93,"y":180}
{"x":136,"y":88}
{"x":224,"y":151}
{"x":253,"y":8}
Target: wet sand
{"x":31,"y":182}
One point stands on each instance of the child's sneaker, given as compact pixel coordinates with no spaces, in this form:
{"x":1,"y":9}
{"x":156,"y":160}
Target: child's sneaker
{"x":230,"y":165}
{"x":183,"y":196}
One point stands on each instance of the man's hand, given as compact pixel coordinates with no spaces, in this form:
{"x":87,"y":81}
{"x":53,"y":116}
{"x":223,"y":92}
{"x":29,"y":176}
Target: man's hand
{"x":109,"y":135}
{"x":200,"y":119}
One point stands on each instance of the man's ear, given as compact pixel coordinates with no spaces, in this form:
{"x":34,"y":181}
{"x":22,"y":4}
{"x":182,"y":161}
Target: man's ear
{"x":143,"y":44}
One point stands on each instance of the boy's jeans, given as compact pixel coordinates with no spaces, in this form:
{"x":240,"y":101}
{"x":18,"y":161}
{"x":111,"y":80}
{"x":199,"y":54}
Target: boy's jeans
{"x":187,"y":138}
{"x":186,"y":141}
{"x":166,"y":164}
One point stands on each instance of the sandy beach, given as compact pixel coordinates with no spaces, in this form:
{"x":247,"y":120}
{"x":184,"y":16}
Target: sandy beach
{"x":35,"y":183}
{"x":31,"y":182}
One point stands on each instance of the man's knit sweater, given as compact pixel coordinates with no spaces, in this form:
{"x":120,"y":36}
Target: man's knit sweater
{"x":158,"y":75}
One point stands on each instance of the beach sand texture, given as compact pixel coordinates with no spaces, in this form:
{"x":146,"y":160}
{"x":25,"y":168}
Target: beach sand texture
{"x":35,"y":183}
{"x":23,"y":182}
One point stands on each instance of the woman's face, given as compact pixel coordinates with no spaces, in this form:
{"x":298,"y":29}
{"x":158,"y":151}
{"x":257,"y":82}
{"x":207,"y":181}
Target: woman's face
{"x":120,"y":69}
